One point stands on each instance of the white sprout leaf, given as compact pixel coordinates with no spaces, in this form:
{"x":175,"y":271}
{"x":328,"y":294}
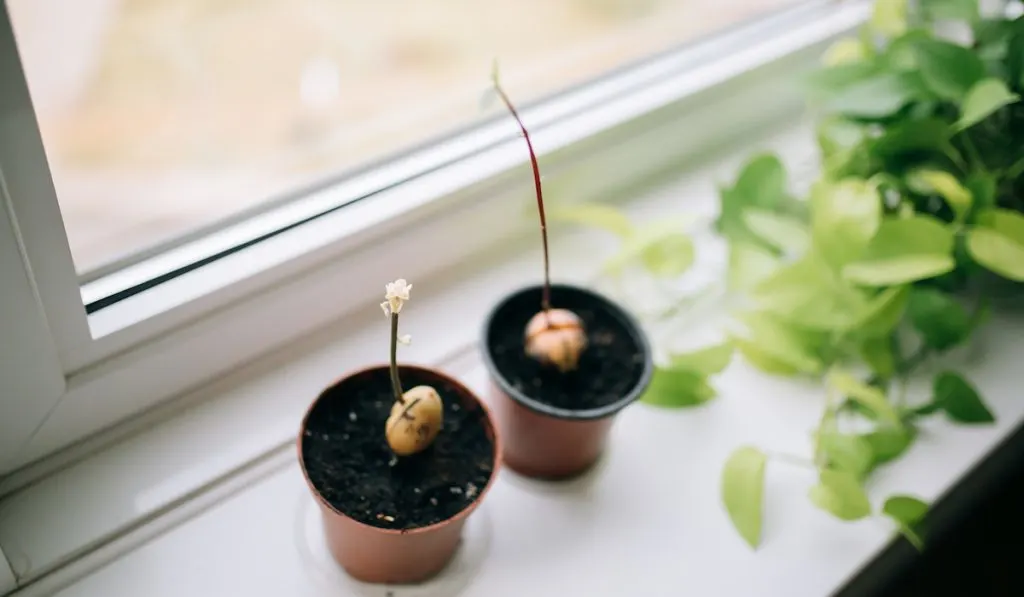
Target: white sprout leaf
{"x":397,"y":293}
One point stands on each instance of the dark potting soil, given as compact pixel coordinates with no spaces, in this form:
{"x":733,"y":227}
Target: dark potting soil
{"x":350,"y":464}
{"x":609,"y":368}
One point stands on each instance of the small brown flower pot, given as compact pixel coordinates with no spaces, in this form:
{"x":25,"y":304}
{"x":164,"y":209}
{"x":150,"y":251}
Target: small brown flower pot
{"x":555,"y":425}
{"x":388,"y":519}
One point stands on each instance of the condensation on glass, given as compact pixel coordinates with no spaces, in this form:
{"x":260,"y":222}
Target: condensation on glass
{"x":163,"y":117}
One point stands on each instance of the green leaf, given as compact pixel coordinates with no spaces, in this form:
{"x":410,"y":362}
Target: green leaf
{"x":837,"y":134}
{"x":867,"y":396}
{"x":854,"y":162}
{"x":706,"y":361}
{"x":845,"y":452}
{"x":959,"y":399}
{"x":907,"y":512}
{"x":952,"y":10}
{"x":983,"y":190}
{"x":898,"y":271}
{"x":761,"y":183}
{"x":904,"y":250}
{"x":884,"y":312}
{"x":662,"y":248}
{"x":998,"y":243}
{"x":878,"y":354}
{"x":1004,"y":221}
{"x":997,"y":252}
{"x":829,"y":82}
{"x":888,"y":443}
{"x":901,"y":54}
{"x":785,"y":233}
{"x":669,"y":257}
{"x":748,"y":265}
{"x":809,"y":293}
{"x":889,"y":17}
{"x":743,"y":492}
{"x":879,"y":96}
{"x":987,"y":96}
{"x":948,"y":69}
{"x":942,"y":322}
{"x":844,"y":217}
{"x":931,"y":134}
{"x":944,"y":184}
{"x":677,"y":388}
{"x":1015,"y":57}
{"x":775,"y":347}
{"x":849,"y":49}
{"x":594,"y":215}
{"x":840,"y":493}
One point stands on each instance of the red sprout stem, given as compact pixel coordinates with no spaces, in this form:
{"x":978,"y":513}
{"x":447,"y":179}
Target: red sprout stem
{"x":545,"y":301}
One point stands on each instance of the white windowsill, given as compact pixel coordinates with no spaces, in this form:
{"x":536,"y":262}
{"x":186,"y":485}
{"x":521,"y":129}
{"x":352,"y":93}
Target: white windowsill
{"x":211,"y":502}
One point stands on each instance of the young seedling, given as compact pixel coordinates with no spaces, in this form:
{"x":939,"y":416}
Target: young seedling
{"x":417,"y":415}
{"x":555,"y":337}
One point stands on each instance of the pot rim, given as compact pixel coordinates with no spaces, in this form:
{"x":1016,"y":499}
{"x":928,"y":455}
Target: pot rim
{"x":589,"y":414}
{"x":461,"y":514}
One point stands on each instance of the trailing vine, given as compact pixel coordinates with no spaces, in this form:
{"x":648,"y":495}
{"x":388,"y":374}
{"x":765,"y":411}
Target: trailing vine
{"x":883,"y":267}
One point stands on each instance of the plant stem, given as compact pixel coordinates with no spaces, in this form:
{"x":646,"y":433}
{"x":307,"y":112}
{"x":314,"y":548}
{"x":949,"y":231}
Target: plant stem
{"x":972,"y":152}
{"x":396,"y":384}
{"x":954,"y":156}
{"x":826,"y":416}
{"x":1015,"y":170}
{"x":545,"y":301}
{"x":914,"y":360}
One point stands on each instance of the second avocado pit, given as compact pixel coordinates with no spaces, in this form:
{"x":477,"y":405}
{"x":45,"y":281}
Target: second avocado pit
{"x":556,"y":337}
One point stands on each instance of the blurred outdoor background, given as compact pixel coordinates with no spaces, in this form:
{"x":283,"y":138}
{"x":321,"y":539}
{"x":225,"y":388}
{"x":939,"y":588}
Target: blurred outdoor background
{"x":163,"y":116}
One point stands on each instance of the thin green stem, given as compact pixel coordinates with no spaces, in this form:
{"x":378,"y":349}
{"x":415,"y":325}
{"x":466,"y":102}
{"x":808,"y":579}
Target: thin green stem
{"x":396,"y":384}
{"x":955,"y":157}
{"x":1015,"y":170}
{"x":973,"y":153}
{"x":912,"y":537}
{"x":826,"y":416}
{"x":915,"y":360}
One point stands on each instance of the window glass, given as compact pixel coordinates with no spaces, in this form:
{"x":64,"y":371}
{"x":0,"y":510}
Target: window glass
{"x":162,"y":118}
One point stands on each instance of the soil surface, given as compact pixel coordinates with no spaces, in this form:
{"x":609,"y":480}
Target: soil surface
{"x":349,"y":462}
{"x":609,"y":368}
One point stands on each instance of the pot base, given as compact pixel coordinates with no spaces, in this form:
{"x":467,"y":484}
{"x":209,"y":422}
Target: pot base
{"x":320,"y":564}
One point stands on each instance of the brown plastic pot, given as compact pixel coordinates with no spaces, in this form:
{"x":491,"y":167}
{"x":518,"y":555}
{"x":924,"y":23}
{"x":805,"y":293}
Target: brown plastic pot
{"x":376,"y":555}
{"x":545,"y":441}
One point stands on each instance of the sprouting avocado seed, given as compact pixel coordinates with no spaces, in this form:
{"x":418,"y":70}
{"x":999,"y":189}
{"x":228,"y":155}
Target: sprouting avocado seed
{"x":556,"y":337}
{"x":412,"y":426}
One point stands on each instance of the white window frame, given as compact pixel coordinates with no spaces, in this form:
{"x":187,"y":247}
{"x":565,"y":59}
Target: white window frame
{"x":78,"y":373}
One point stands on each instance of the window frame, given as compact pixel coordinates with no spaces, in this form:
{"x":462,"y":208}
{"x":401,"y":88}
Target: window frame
{"x":188,"y":331}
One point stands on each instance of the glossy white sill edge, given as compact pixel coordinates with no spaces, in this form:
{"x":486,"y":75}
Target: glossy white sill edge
{"x":254,"y":410}
{"x":646,"y":521}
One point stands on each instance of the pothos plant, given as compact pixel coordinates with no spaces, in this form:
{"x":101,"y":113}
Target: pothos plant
{"x":886,"y":263}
